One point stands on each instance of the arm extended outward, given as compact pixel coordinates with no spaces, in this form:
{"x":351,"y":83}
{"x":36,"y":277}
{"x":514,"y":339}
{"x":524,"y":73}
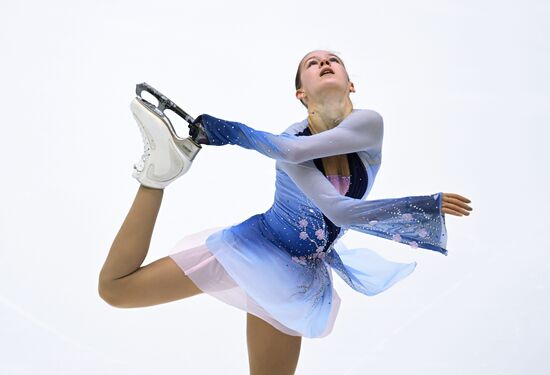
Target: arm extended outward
{"x":416,"y":220}
{"x":361,"y":130}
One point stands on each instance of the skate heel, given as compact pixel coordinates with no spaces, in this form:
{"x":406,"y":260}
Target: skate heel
{"x":188,"y":147}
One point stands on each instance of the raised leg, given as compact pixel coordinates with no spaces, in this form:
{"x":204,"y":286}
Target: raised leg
{"x":270,"y":351}
{"x":123,"y":282}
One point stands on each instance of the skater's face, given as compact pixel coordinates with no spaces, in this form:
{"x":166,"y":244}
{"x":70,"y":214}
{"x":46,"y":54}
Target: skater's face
{"x":322,"y":74}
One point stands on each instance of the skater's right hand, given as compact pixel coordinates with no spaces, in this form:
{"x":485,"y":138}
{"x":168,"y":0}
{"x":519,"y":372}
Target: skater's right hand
{"x":455,"y":204}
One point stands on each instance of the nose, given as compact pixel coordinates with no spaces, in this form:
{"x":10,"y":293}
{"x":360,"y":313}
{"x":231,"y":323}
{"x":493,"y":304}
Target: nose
{"x":324,"y":61}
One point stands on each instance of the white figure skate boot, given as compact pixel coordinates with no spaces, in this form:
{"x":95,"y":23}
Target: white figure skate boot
{"x":166,"y":156}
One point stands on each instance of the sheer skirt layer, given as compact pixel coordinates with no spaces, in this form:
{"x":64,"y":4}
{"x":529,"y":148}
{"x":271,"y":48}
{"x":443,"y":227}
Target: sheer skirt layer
{"x":196,"y":260}
{"x":238,"y":266}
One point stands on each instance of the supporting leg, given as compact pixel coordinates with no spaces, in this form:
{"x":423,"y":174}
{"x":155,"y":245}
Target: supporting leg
{"x":270,"y":351}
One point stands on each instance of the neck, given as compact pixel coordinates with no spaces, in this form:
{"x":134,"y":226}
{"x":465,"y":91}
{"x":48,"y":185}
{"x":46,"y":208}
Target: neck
{"x":330,"y":112}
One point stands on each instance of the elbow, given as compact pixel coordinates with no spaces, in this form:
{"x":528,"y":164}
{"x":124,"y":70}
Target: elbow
{"x":338,"y":220}
{"x":336,"y":209}
{"x":291,"y":157}
{"x":294,"y":155}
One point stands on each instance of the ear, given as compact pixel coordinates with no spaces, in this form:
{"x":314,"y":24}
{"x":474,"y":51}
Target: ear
{"x":300,"y":94}
{"x":351,"y":87}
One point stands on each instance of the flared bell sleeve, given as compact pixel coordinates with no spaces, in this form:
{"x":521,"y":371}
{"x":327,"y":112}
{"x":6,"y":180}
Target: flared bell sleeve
{"x":361,"y":130}
{"x":415,"y":220}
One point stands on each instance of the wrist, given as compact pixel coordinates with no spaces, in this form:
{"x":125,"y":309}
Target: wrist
{"x":198,"y":133}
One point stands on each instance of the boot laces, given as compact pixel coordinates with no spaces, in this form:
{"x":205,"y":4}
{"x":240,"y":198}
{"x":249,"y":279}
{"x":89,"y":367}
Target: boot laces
{"x":146,"y":151}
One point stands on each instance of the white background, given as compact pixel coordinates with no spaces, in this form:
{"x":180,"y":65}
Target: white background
{"x":463,"y":87}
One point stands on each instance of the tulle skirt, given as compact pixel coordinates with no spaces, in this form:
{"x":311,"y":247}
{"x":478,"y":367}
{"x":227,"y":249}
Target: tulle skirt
{"x":196,"y":260}
{"x":240,"y":267}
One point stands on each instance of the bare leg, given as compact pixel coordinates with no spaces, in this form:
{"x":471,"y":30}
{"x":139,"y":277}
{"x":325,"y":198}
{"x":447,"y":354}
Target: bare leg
{"x":270,"y":351}
{"x":122,"y":280}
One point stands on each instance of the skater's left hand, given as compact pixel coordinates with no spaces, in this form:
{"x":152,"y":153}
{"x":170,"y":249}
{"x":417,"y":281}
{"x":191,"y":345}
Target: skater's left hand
{"x":455,"y":204}
{"x":197,"y":132}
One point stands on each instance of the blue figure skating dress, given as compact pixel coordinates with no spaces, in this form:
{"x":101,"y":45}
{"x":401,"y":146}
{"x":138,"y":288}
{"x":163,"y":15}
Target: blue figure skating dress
{"x":278,"y":264}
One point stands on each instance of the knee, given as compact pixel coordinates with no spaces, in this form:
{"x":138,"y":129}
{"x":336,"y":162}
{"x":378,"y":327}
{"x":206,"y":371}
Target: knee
{"x":107,"y":292}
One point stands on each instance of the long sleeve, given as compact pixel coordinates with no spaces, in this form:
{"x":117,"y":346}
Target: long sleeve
{"x":361,"y":130}
{"x":415,"y":220}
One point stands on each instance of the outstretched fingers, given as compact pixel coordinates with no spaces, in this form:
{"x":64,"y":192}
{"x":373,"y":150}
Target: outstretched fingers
{"x":455,"y":204}
{"x":458,"y":196}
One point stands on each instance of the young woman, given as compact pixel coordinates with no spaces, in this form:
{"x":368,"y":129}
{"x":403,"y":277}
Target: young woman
{"x":277,"y":265}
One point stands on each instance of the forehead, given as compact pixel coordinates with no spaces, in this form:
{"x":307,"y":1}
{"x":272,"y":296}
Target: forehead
{"x":319,"y":53}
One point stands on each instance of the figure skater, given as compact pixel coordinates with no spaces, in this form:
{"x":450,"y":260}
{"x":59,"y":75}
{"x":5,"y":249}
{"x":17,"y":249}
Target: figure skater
{"x":277,"y":265}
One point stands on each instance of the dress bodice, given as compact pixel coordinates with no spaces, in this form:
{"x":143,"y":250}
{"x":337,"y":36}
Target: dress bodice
{"x":358,"y":185}
{"x":295,"y":223}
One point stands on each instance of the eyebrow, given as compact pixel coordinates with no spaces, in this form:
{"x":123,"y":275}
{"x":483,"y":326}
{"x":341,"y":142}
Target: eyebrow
{"x":315,"y":56}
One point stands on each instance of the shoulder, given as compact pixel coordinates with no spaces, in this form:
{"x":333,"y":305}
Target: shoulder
{"x":368,"y":115}
{"x":365,"y":121}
